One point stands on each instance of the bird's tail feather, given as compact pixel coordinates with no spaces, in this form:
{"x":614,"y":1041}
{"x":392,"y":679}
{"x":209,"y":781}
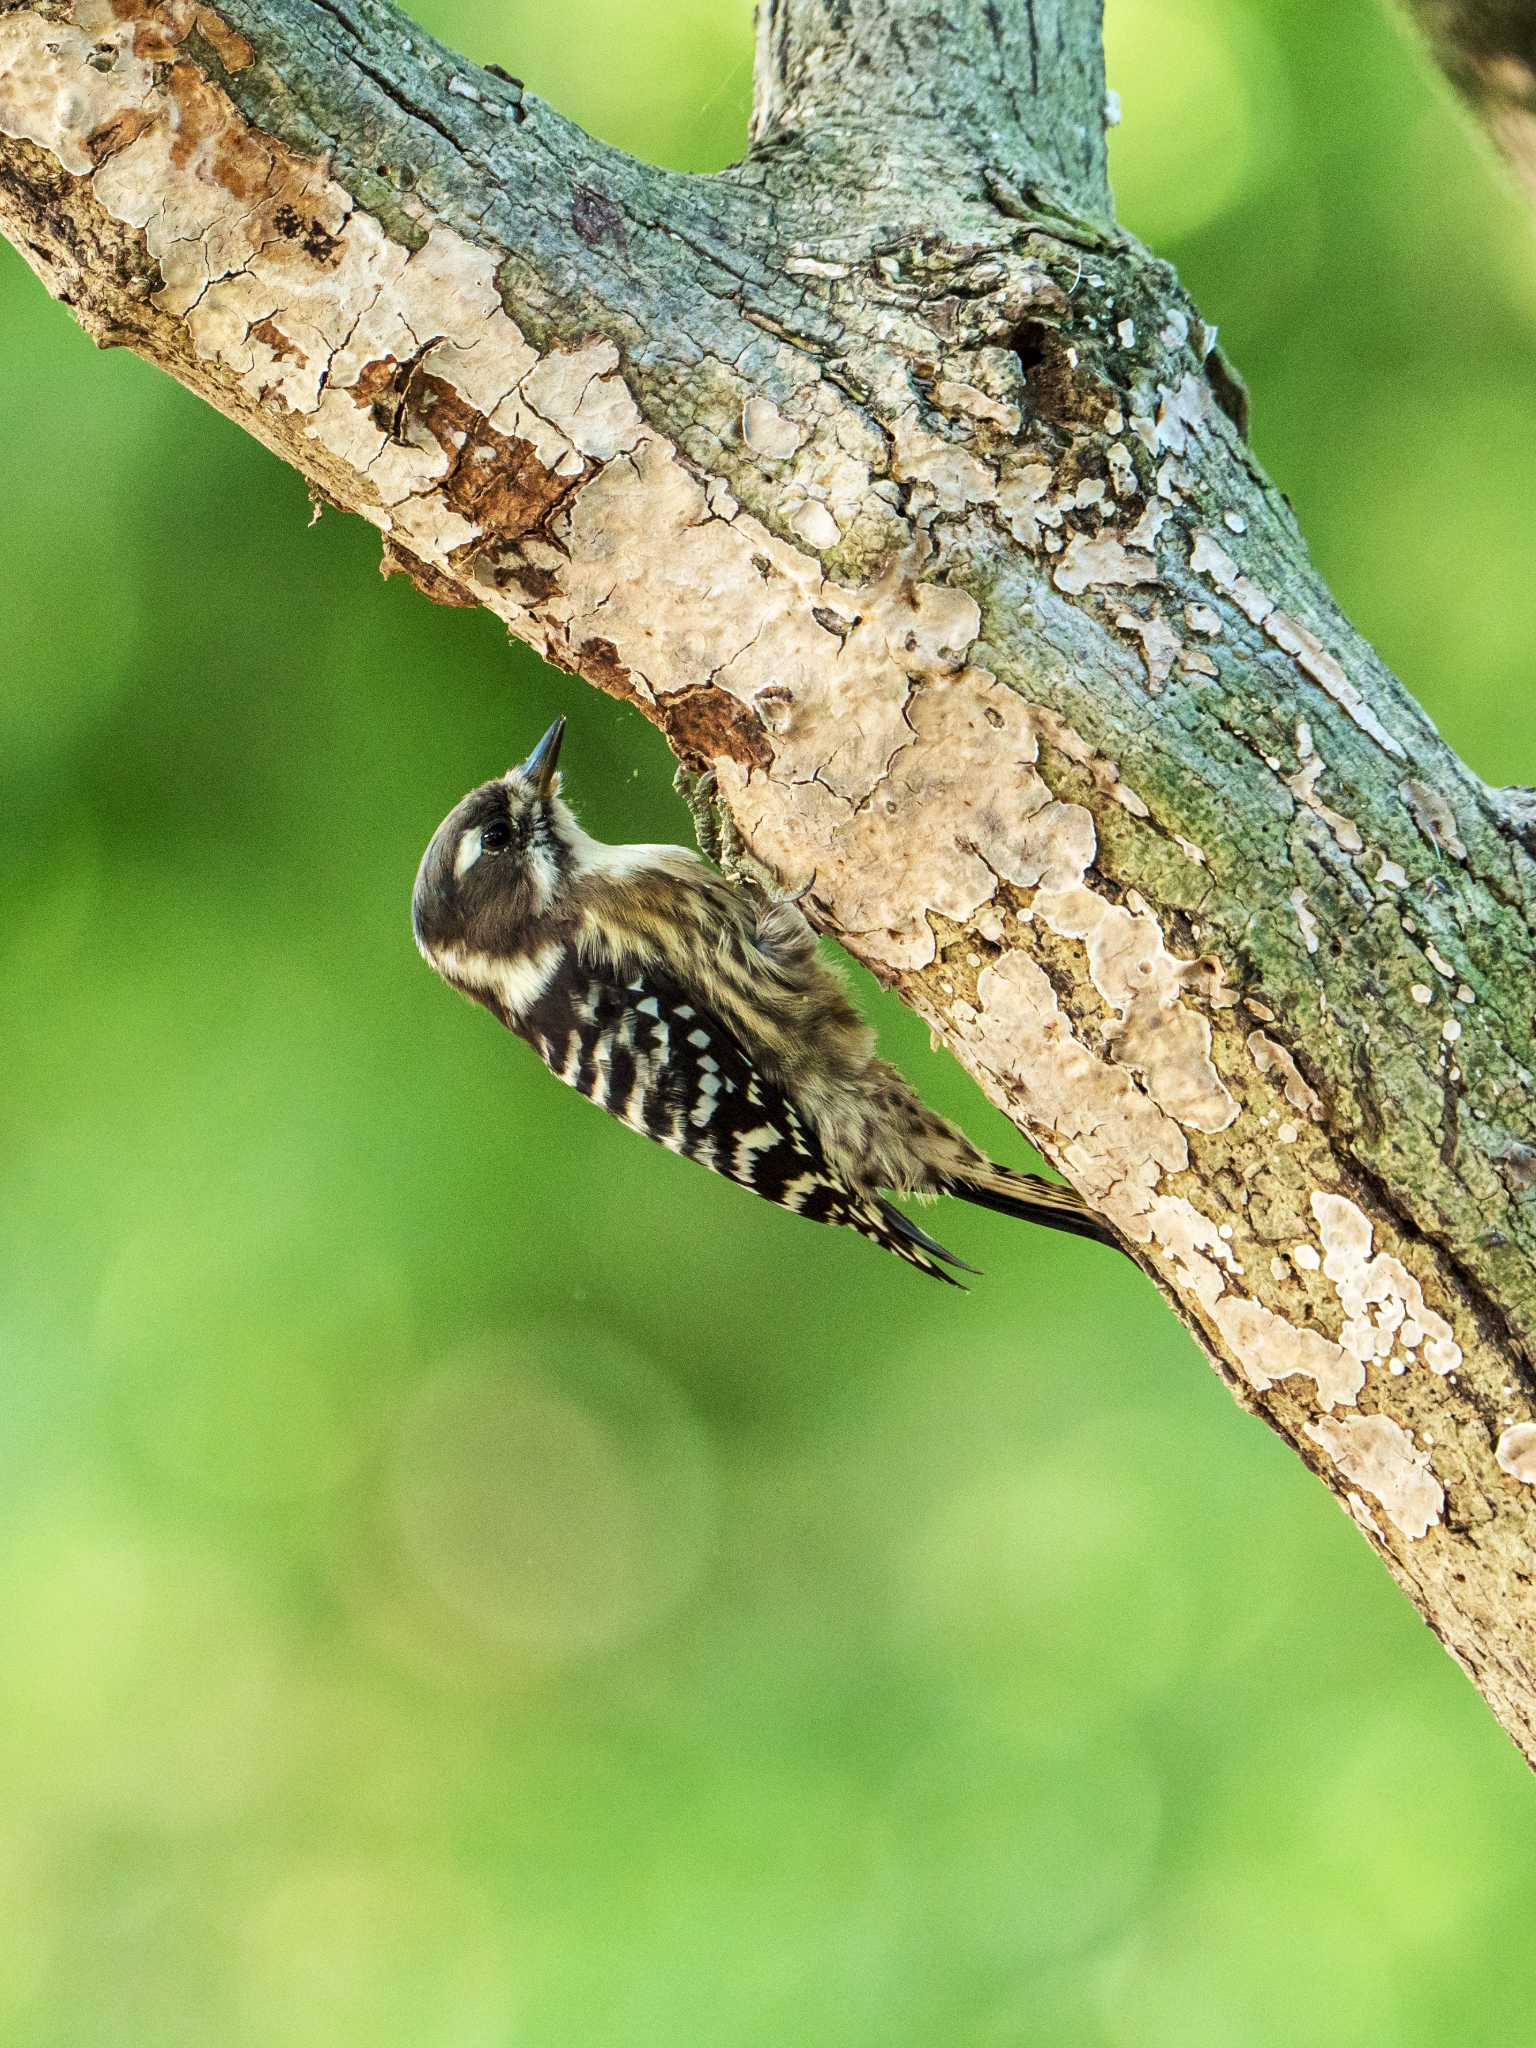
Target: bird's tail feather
{"x":910,"y":1241}
{"x":1035,"y":1200}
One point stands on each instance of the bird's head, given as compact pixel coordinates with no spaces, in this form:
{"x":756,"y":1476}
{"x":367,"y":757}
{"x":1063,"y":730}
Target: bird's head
{"x":496,"y":862}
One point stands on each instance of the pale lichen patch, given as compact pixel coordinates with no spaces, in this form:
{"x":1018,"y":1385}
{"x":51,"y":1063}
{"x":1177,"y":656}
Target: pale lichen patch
{"x":1515,"y":1451}
{"x":767,"y":432}
{"x":1305,"y":918}
{"x":1380,"y":1458}
{"x":1107,"y":1134}
{"x":1270,"y":1348}
{"x":1092,"y":561}
{"x":971,"y":755}
{"x":1208,"y":558}
{"x":1267,"y":1347}
{"x":1122,"y":469}
{"x":1144,"y":534}
{"x":1020,"y":833}
{"x":1303,"y":787}
{"x":952,"y":476}
{"x":1362,"y":1514}
{"x":1272,"y":1059}
{"x":957,"y":397}
{"x":1160,"y":646}
{"x":815,"y":525}
{"x":1384,"y":1305}
{"x":1157,"y":1033}
{"x":581,"y":394}
{"x":817,"y":266}
{"x":1026,"y":505}
{"x":51,"y":94}
{"x":839,"y":663}
{"x":1182,"y":412}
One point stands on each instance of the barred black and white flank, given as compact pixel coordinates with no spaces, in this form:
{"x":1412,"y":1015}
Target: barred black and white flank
{"x":698,"y":1012}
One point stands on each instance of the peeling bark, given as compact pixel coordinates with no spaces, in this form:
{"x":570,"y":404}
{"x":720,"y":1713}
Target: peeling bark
{"x":894,"y":483}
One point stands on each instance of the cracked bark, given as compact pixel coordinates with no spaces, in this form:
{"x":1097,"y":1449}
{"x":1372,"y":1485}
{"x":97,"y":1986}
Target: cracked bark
{"x":896,"y":485}
{"x":1487,"y":48}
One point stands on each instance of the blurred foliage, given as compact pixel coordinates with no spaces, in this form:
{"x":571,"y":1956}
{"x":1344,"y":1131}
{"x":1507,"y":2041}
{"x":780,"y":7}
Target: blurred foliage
{"x":467,"y":1577}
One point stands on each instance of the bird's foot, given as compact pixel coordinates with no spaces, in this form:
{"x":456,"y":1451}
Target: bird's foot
{"x":700,"y":793}
{"x":718,"y":839}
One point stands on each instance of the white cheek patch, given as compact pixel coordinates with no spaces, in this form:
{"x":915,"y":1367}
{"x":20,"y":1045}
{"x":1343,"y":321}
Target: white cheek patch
{"x":471,"y":846}
{"x":520,"y":983}
{"x":517,"y":983}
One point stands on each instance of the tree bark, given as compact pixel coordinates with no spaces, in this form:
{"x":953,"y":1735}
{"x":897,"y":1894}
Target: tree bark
{"x":1487,"y":48}
{"x":908,"y":89}
{"x":896,"y":485}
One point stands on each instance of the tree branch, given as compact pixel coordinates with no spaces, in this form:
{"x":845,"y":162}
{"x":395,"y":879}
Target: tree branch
{"x":1021,"y":80}
{"x":920,"y":510}
{"x":1487,"y":48}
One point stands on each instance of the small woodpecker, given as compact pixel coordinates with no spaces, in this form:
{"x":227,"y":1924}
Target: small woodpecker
{"x":698,"y":1012}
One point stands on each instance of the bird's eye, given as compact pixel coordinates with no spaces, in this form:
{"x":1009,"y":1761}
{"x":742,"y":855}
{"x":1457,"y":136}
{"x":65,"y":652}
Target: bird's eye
{"x":495,"y":837}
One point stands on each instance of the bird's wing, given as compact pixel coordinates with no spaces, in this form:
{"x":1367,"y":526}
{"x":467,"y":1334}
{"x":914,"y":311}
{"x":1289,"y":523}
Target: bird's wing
{"x":642,"y":1048}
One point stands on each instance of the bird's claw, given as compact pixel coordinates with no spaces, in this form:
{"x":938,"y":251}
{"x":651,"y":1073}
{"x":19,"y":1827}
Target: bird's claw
{"x":719,"y":841}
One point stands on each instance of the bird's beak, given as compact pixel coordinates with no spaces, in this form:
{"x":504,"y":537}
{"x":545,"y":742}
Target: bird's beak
{"x":540,"y":766}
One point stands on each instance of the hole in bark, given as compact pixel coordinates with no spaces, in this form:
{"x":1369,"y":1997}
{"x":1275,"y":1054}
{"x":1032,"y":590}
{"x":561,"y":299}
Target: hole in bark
{"x":1056,"y":386}
{"x":1030,"y":342}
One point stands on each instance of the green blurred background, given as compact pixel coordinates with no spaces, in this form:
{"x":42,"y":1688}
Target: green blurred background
{"x":468,"y":1578}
